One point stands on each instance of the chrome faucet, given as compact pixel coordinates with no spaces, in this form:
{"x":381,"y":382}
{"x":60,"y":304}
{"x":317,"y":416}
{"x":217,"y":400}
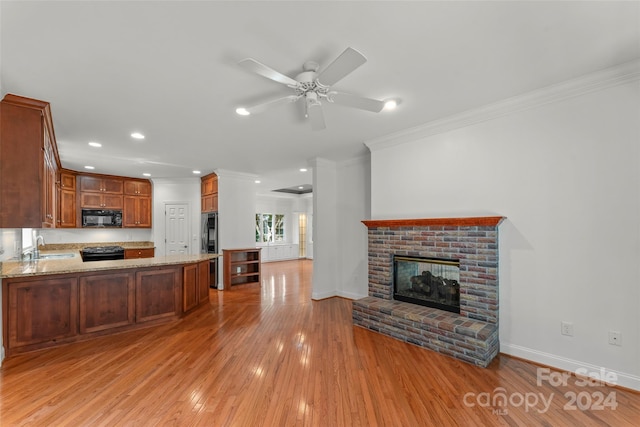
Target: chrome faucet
{"x":36,"y":251}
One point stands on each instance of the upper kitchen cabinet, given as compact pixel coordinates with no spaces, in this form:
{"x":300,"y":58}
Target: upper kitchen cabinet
{"x":29,"y":164}
{"x":101,"y":191}
{"x":209,"y":193}
{"x":137,"y":203}
{"x":101,"y":184}
{"x":137,"y":187}
{"x":67,"y":209}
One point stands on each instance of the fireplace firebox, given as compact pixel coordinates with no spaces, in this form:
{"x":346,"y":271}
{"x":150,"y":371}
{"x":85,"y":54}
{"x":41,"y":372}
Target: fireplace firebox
{"x":431,"y":282}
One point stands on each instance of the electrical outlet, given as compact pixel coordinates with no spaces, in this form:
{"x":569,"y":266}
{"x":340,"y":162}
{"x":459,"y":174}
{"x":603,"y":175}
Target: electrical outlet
{"x":615,"y":338}
{"x":566,"y":328}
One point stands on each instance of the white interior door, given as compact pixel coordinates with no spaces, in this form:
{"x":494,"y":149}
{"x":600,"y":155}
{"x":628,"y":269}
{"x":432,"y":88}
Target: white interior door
{"x":176,"y":228}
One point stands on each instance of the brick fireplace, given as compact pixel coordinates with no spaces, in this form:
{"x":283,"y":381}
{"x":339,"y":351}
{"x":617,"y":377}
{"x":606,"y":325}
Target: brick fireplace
{"x":471,"y":335}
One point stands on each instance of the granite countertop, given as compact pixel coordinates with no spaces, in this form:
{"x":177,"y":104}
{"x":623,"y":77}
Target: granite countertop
{"x":76,"y":265}
{"x":67,"y":246}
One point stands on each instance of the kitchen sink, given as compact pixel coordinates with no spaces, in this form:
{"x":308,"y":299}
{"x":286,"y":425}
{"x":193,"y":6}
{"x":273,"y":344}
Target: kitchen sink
{"x":55,"y":256}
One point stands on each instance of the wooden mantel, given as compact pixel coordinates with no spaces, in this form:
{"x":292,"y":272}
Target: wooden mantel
{"x":480,"y":221}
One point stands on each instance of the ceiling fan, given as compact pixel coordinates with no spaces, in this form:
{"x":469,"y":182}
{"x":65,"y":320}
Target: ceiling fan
{"x":314,"y":86}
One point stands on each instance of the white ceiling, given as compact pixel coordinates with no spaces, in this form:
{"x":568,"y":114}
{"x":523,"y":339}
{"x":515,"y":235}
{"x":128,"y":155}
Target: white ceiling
{"x":169,"y":70}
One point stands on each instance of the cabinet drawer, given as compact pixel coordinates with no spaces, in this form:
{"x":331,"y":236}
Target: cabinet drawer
{"x":139,"y":253}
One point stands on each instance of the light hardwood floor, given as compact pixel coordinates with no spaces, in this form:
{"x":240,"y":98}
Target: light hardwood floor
{"x":270,"y":356}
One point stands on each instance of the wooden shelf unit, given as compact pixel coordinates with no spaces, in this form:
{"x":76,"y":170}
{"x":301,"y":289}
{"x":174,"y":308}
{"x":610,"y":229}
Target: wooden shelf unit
{"x":241,"y":267}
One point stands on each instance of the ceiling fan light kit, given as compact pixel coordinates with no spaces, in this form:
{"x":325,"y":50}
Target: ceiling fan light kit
{"x":314,"y":87}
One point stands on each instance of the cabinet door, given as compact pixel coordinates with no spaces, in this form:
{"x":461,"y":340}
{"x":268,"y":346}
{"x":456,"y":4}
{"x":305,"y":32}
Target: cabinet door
{"x":158,"y":294}
{"x":112,"y":201}
{"x":90,"y":183}
{"x":91,"y":200}
{"x":100,"y":201}
{"x":67,"y":203}
{"x":67,"y":181}
{"x":42,"y":311}
{"x":209,"y":185}
{"x":112,"y":185}
{"x":137,"y":188}
{"x":203,"y":281}
{"x":136,"y":211}
{"x":106,"y":301}
{"x":99,"y":184}
{"x":189,"y":287}
{"x":209,"y":203}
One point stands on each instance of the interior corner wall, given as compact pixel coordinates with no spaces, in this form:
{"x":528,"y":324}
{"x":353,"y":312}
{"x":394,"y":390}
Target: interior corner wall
{"x":353,"y":206}
{"x":566,"y":176}
{"x":325,"y":229}
{"x":341,"y":200}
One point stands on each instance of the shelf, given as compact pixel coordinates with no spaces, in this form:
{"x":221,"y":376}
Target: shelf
{"x":245,"y":260}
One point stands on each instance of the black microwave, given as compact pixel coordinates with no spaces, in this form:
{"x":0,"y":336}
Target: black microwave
{"x":101,"y":218}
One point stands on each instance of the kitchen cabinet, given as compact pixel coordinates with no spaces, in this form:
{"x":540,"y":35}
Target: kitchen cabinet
{"x":101,"y":184}
{"x":40,"y":310}
{"x":101,"y":192}
{"x":209,"y":193}
{"x":136,"y":212}
{"x":137,"y":187}
{"x":67,"y":209}
{"x":241,"y":267}
{"x":195,"y":285}
{"x":101,"y":201}
{"x":139,"y":253}
{"x":50,"y":309}
{"x":107,"y":301}
{"x":158,"y":294}
{"x":28,"y":165}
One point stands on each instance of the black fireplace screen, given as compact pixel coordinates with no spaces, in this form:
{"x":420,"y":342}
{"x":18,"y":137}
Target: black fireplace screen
{"x":431,"y":282}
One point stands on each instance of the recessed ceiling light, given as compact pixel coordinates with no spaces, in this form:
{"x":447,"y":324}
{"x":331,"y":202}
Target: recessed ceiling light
{"x":300,"y":188}
{"x":303,"y":170}
{"x":89,"y":167}
{"x":146,"y":174}
{"x":95,"y":144}
{"x":196,"y":172}
{"x":257,"y":181}
{"x":137,"y":135}
{"x":242,"y":111}
{"x":391,"y":104}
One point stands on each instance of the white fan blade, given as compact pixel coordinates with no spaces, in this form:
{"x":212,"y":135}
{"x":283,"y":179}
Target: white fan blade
{"x":316,"y":116}
{"x":259,"y":68}
{"x":261,"y":107}
{"x":344,"y":64}
{"x":356,"y":101}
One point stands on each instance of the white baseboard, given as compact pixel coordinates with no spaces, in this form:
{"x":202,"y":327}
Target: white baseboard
{"x":622,"y":379}
{"x":323,"y":295}
{"x":350,"y":295}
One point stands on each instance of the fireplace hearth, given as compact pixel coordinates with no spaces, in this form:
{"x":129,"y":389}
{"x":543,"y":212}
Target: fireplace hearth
{"x":454,"y":301}
{"x":432,"y":282}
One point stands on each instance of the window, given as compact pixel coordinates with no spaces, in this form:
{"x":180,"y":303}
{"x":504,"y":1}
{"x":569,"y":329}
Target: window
{"x":269,"y":227}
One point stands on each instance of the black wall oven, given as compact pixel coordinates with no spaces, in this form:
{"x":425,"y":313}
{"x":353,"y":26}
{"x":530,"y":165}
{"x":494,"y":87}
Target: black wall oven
{"x":101,"y":218}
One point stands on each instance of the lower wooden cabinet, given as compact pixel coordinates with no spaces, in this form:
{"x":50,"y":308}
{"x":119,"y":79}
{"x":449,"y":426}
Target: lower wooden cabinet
{"x":157,"y":294}
{"x":195,"y":285}
{"x":106,"y":301}
{"x":41,"y":310}
{"x":45,"y":311}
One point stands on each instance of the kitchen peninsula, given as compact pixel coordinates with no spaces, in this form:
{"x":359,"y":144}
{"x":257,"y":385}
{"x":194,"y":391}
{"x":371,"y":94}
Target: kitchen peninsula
{"x":48,"y":302}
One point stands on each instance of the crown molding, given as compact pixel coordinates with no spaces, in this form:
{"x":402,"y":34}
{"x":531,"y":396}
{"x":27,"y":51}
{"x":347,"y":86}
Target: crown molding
{"x":236,"y":175}
{"x":614,"y":76}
